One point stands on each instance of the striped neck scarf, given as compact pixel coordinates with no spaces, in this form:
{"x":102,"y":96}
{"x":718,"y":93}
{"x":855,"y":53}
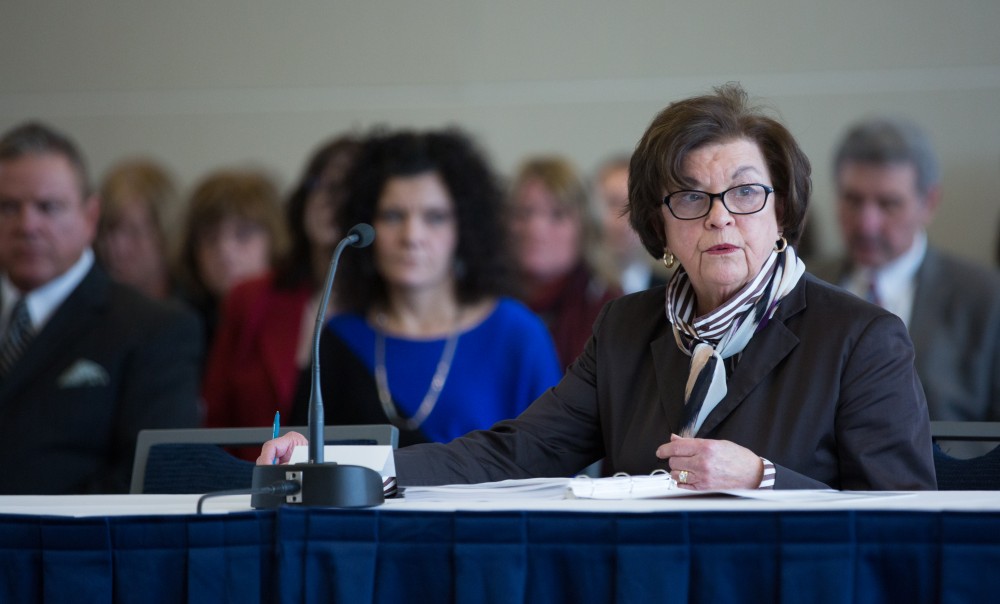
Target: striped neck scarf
{"x":725,"y":331}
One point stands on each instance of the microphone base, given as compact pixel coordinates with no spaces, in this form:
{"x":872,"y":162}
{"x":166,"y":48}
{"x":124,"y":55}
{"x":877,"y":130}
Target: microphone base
{"x":323,"y":484}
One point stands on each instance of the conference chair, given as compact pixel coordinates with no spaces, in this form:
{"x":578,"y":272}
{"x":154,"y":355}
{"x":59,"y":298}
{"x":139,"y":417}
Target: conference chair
{"x":196,"y":461}
{"x":980,"y":473}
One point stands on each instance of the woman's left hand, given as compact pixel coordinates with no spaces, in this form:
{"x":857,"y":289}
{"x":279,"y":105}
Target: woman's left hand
{"x":707,"y":464}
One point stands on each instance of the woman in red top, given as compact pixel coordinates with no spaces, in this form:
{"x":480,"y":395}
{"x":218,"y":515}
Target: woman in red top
{"x":266,"y":324}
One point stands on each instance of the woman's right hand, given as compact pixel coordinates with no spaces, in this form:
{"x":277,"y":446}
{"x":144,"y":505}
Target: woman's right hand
{"x":280,"y":448}
{"x":710,"y":464}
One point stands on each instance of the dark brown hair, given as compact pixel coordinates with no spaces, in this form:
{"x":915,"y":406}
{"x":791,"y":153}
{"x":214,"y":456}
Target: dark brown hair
{"x":243,"y":193}
{"x":658,"y":161}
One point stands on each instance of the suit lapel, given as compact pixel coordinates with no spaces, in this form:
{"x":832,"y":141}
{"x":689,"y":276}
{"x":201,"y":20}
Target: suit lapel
{"x":763,"y":353}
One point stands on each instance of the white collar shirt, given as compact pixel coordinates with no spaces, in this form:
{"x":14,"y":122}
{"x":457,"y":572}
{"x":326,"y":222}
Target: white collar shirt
{"x":43,"y":301}
{"x":636,"y":277}
{"x":895,"y":283}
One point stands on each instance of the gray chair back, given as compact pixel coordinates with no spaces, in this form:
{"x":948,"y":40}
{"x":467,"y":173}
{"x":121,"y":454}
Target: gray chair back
{"x":980,"y":473}
{"x":195,"y":460}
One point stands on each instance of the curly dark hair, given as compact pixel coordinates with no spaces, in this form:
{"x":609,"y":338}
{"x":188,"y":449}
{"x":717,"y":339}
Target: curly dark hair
{"x":658,"y":161}
{"x":297,"y":267}
{"x":482,"y":260}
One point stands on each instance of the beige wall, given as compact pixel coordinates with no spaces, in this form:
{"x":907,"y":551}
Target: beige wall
{"x":205,"y":84}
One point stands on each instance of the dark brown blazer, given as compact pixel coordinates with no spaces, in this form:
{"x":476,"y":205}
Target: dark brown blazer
{"x":826,"y":391}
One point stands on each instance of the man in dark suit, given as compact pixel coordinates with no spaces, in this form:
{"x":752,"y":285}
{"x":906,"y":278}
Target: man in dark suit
{"x":888,"y":188}
{"x":85,"y":363}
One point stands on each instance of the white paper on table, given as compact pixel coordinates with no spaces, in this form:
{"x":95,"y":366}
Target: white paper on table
{"x":375,"y":457}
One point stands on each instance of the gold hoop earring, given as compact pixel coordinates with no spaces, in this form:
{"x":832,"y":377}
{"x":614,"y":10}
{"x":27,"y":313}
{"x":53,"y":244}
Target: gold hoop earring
{"x":781,"y":244}
{"x":668,"y":259}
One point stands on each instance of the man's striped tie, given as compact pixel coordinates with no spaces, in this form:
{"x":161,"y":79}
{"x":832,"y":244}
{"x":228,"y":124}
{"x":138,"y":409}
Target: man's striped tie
{"x":16,"y":339}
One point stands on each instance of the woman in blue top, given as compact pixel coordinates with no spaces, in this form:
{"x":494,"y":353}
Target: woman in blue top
{"x":429,"y":341}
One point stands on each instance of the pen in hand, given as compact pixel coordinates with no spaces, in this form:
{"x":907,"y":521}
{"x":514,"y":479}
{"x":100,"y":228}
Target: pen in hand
{"x":274,"y":434}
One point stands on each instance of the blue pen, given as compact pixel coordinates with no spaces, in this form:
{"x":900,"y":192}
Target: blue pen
{"x":274,"y":433}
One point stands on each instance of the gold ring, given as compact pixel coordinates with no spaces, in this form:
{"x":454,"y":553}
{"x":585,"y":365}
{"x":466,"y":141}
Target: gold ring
{"x":682,"y":476}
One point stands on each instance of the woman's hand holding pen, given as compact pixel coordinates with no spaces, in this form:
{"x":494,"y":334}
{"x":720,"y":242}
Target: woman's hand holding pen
{"x":280,"y":448}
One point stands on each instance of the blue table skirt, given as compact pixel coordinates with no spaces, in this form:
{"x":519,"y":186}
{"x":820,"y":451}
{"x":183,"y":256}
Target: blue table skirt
{"x":319,"y":555}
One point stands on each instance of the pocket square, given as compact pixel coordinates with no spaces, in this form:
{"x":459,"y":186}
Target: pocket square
{"x":84,"y":373}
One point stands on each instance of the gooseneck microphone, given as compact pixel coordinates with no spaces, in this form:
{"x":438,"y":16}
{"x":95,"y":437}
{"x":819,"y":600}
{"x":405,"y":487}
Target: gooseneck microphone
{"x":324,"y":484}
{"x":360,"y":235}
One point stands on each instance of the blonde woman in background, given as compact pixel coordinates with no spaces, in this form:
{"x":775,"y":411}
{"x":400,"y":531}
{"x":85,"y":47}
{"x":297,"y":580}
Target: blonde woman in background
{"x":137,"y":195}
{"x":557,"y":246}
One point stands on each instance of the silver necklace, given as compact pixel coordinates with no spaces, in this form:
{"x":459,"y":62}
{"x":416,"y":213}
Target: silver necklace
{"x":433,"y":392}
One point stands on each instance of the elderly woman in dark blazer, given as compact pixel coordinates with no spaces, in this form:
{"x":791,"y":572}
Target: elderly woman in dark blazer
{"x":743,"y":371}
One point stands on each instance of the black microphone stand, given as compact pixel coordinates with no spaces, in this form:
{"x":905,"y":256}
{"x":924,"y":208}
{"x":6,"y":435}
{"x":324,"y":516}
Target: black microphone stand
{"x":322,"y":484}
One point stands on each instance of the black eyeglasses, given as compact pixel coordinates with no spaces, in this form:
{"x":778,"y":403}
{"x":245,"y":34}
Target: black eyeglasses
{"x":741,"y":199}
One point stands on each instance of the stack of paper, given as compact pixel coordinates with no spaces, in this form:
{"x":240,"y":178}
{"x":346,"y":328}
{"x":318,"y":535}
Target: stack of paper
{"x":624,"y":486}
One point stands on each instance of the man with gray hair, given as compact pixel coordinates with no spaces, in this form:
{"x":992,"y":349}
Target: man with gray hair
{"x":85,"y":363}
{"x":888,"y":188}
